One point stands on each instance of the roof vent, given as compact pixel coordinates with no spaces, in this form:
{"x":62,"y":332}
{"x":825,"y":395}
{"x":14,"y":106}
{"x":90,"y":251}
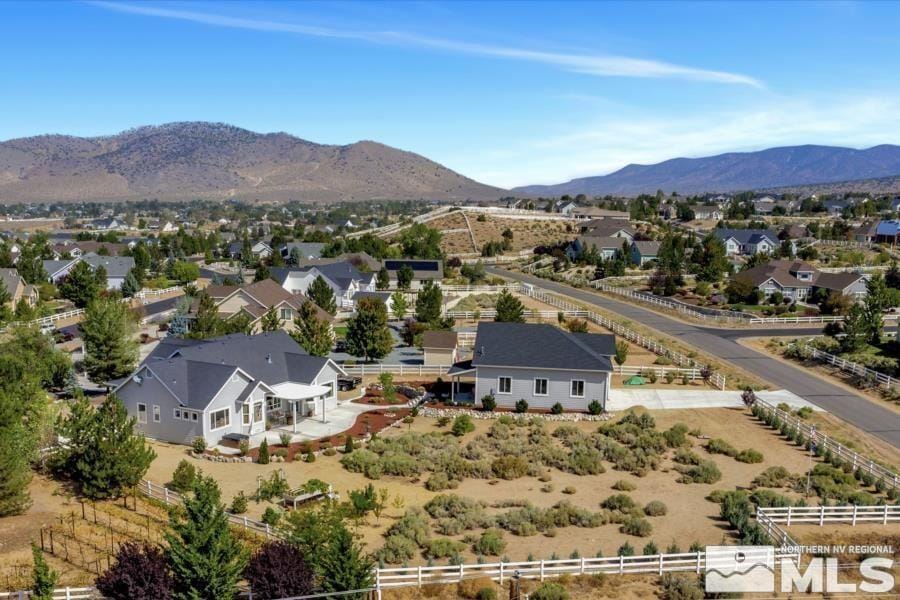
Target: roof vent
{"x":481,"y":351}
{"x":269,"y":358}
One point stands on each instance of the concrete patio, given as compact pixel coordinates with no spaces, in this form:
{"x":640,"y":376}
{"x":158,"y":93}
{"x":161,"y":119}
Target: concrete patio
{"x":661,"y":399}
{"x":312,"y":428}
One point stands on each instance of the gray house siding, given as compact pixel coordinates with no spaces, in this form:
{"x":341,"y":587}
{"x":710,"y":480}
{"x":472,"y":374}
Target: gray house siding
{"x":227,"y":397}
{"x":559,"y":386}
{"x":328,"y":376}
{"x":151,"y":392}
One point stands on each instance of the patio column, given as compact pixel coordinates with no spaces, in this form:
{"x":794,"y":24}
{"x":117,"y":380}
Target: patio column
{"x":294,"y":407}
{"x":323,"y":408}
{"x":452,"y":388}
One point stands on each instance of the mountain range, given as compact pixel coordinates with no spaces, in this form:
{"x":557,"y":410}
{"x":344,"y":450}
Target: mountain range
{"x":184,"y":161}
{"x":736,"y":171}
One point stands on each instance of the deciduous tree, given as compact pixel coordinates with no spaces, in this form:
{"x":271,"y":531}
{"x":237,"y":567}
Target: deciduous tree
{"x":278,"y":570}
{"x":312,"y":332}
{"x":80,"y":285}
{"x":428,"y":303}
{"x":141,"y":572}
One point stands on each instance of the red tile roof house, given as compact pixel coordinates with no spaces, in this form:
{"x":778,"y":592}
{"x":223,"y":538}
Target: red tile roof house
{"x":799,"y":280}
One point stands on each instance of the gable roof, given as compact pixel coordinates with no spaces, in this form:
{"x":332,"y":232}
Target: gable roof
{"x":747,"y":236}
{"x":541,"y":346}
{"x":10,"y":280}
{"x":439,"y":339}
{"x":116,"y":266}
{"x":53,"y":267}
{"x":607,"y":227}
{"x":306,"y":249}
{"x":647,"y":248}
{"x":890,"y":228}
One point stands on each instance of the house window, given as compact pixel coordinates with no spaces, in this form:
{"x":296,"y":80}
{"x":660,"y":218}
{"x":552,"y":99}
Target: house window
{"x":177,"y":413}
{"x":577,"y":389}
{"x":504,"y":385}
{"x":273,"y":403}
{"x":194,"y":416}
{"x":257,"y":412}
{"x":220,"y":419}
{"x":286,"y":314}
{"x":245,"y":414}
{"x":540,"y":387}
{"x":142,"y":413}
{"x":156,"y":415}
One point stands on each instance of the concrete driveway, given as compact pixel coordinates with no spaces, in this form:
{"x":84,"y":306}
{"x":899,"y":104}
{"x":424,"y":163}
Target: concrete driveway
{"x":862,"y":412}
{"x":659,"y":399}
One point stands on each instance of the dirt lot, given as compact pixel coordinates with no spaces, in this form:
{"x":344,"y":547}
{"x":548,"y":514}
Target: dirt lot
{"x":527,"y":233}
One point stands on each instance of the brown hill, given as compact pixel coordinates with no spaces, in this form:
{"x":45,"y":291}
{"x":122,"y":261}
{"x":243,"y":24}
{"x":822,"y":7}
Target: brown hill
{"x":184,"y":161}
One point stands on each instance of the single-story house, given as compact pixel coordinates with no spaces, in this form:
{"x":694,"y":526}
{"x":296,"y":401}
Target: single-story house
{"x":385,"y":297}
{"x":117,"y":267}
{"x":423,"y":270}
{"x":440,"y":347}
{"x":705,"y":213}
{"x":866,"y":232}
{"x":643,"y":252}
{"x":15,"y":286}
{"x":887,"y":232}
{"x":258,"y":249}
{"x":606,"y":246}
{"x":799,"y":281}
{"x":592,"y":212}
{"x":305,"y":250}
{"x":343,"y":278}
{"x":107,"y":224}
{"x":235,"y":386}
{"x":747,"y":242}
{"x":607,"y":228}
{"x":539,"y":363}
{"x":257,"y":299}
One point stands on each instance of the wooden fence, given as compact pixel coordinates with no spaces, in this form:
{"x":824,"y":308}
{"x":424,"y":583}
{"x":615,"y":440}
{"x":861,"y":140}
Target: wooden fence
{"x":820,"y":515}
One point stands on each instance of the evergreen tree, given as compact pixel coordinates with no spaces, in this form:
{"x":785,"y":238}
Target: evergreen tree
{"x":875,"y":303}
{"x":313,"y":529}
{"x":313,"y":333}
{"x":262,"y":273}
{"x":367,"y":332}
{"x":207,"y":561}
{"x":295,"y":256}
{"x":108,"y":329}
{"x":80,"y":285}
{"x":270,"y":321}
{"x":711,"y":259}
{"x":383,"y":281}
{"x":509,"y":309}
{"x":344,"y":566}
{"x":16,"y":447}
{"x":321,"y":293}
{"x":428,"y":303}
{"x":43,"y":578}
{"x":104,"y":455}
{"x":405,"y":276}
{"x":399,"y":305}
{"x":131,"y":285}
{"x":669,"y":273}
{"x":207,"y":323}
{"x":856,"y":329}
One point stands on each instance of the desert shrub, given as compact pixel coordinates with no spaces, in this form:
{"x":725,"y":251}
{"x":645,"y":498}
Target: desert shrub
{"x":804,"y":412}
{"x":396,"y":550}
{"x":676,"y":435}
{"x":471,"y":588}
{"x":705,"y":472}
{"x":361,"y":461}
{"x":720,"y":446}
{"x":655,"y":508}
{"x":650,"y":548}
{"x":529,"y":520}
{"x":624,"y":486}
{"x":462,"y":425}
{"x":412,"y":525}
{"x":749,"y":456}
{"x":454,"y":514}
{"x":625,"y":549}
{"x":491,"y":543}
{"x":439,"y":482}
{"x":556,"y":409}
{"x":443,"y":421}
{"x":636,"y":526}
{"x":680,"y":587}
{"x":521,"y":405}
{"x":486,"y":593}
{"x":271,"y":516}
{"x":547,"y":488}
{"x":399,"y":464}
{"x":568,"y":490}
{"x":509,"y":467}
{"x":670,"y":377}
{"x":776,"y":476}
{"x":584,"y":461}
{"x":198,"y":445}
{"x":239,"y":504}
{"x":549,"y":591}
{"x":619,"y":502}
{"x":766,"y":498}
{"x":443,"y":548}
{"x":488,"y":403}
{"x":594,"y":407}
{"x":183,"y":478}
{"x":687,"y":457}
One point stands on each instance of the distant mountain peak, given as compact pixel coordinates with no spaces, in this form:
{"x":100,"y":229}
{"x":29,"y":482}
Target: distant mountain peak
{"x":735,"y":171}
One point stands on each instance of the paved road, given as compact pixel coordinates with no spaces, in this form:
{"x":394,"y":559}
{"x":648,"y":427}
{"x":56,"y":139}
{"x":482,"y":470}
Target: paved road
{"x":721,"y":343}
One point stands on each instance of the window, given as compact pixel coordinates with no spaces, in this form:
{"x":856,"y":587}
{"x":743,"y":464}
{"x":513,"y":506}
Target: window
{"x":286,"y":314}
{"x":273,"y":403}
{"x":504,"y":385}
{"x":142,"y":413}
{"x":257,"y":412}
{"x":245,"y":414}
{"x":577,"y":390}
{"x":194,"y":416}
{"x":156,"y":415}
{"x":540,"y":387}
{"x":220,"y":419}
{"x":177,"y":413}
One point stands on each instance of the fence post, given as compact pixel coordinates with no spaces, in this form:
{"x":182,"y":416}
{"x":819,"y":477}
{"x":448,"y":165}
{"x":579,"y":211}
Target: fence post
{"x":621,"y":564}
{"x":501,"y":572}
{"x":582,"y":565}
{"x":854,"y":513}
{"x":821,"y":515}
{"x":660,"y":564}
{"x":68,"y":593}
{"x":698,"y":563}
{"x":884,"y":522}
{"x":790,"y":512}
{"x":419,"y":575}
{"x":542,"y":569}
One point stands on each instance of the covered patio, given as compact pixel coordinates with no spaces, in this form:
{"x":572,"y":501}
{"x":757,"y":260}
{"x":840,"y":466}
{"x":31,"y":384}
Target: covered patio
{"x":290,"y":402}
{"x":456,"y":372}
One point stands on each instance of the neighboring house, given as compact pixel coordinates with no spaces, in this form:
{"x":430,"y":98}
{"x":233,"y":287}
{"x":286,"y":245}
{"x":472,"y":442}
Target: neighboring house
{"x":117,"y":267}
{"x":385,"y":297}
{"x":57,"y":269}
{"x":541,"y":364}
{"x":307,"y":250}
{"x":258,"y":249}
{"x":78,"y":249}
{"x":866,"y":232}
{"x":343,"y":278}
{"x":161,"y":226}
{"x":107,"y":224}
{"x":607,"y":228}
{"x":258,"y":298}
{"x":564,"y":207}
{"x":12,"y":282}
{"x":747,"y":242}
{"x":592,"y":212}
{"x":441,"y":348}
{"x":232,"y":387}
{"x":707,"y":213}
{"x":606,"y":246}
{"x":423,"y":270}
{"x":643,"y":252}
{"x":799,"y":281}
{"x":887,"y":232}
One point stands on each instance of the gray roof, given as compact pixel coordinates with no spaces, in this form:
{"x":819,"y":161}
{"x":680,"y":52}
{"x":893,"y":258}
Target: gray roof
{"x":116,"y":266}
{"x":422,"y":268}
{"x":306,"y":249}
{"x":747,"y":236}
{"x":647,"y":248}
{"x":195,"y":370}
{"x":53,"y":266}
{"x":541,"y":346}
{"x":10,"y":280}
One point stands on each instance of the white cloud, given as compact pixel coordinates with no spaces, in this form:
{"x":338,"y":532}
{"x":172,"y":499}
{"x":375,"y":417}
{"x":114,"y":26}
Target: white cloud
{"x":599,"y":65}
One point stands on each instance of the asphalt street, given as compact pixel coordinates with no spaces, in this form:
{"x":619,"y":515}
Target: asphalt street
{"x":865,"y":414}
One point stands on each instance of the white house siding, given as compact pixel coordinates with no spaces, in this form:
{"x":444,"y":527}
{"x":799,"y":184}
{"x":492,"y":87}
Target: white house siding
{"x":226,"y":398}
{"x":152,"y":393}
{"x":114,"y":283}
{"x":327,"y":376}
{"x":440,"y":357}
{"x":559,"y":385}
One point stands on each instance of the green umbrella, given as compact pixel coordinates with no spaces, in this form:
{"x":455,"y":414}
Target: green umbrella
{"x":635,"y":380}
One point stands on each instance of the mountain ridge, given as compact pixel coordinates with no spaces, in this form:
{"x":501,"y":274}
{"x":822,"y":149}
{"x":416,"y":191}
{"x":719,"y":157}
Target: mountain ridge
{"x":784,"y":166}
{"x":195,"y":159}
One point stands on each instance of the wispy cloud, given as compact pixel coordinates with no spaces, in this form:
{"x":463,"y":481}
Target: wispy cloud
{"x":589,"y":64}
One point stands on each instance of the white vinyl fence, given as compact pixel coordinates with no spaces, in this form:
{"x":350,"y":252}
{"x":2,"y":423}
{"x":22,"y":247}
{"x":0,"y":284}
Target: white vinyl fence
{"x":847,"y":366}
{"x":710,"y":314}
{"x":820,"y":515}
{"x":398,"y":369}
{"x":67,"y":593}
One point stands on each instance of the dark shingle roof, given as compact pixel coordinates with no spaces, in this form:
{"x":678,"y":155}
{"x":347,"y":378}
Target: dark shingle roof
{"x":747,"y":236}
{"x":541,"y":346}
{"x":439,"y":339}
{"x":116,"y":266}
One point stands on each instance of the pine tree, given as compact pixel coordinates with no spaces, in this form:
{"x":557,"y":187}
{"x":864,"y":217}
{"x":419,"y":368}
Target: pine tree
{"x":399,"y":305}
{"x":80,"y":285}
{"x":313,"y":333}
{"x":15,"y":450}
{"x":263,"y":456}
{"x":344,"y":566}
{"x":321,"y":293}
{"x":428,"y":303}
{"x":367,"y":332}
{"x":131,"y":285}
{"x":383,"y":281}
{"x":43,"y":578}
{"x":509,"y":309}
{"x":207,"y":323}
{"x":104,"y":455}
{"x":108,"y":329}
{"x":262,"y":273}
{"x":270,"y":321}
{"x":207,"y":562}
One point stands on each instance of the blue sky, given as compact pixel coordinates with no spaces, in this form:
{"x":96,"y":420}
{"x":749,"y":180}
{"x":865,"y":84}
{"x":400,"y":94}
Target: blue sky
{"x":507,"y":93}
